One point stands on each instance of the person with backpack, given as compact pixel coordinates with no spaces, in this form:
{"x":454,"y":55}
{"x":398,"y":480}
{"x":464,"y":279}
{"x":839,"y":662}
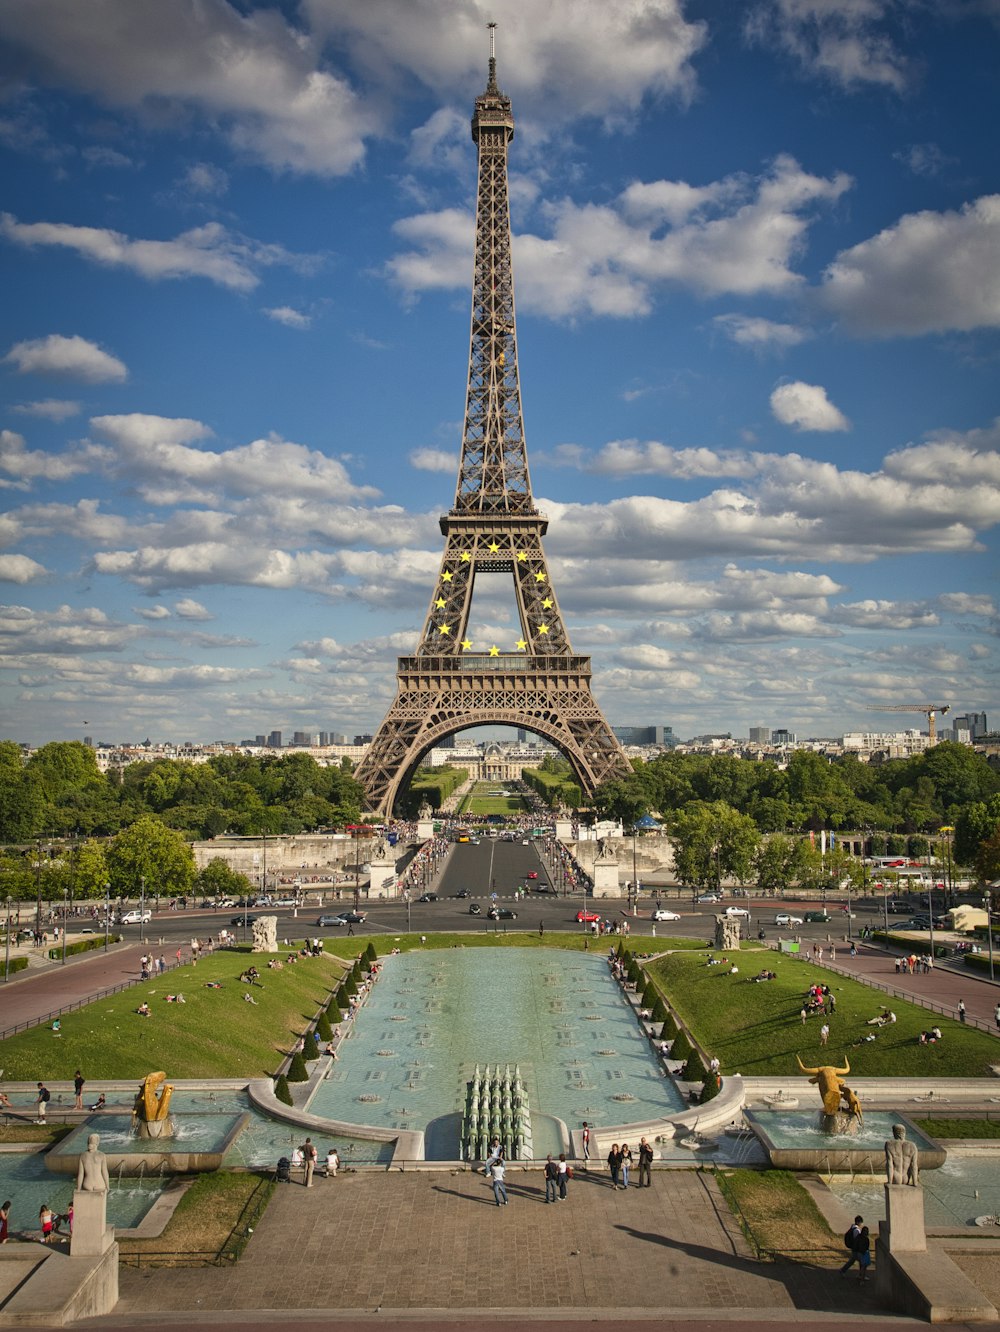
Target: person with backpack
{"x":863,"y":1253}
{"x":551,"y":1179}
{"x":851,"y":1237}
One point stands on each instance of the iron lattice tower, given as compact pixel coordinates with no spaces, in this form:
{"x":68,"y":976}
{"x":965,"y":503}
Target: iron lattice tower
{"x":494,"y":527}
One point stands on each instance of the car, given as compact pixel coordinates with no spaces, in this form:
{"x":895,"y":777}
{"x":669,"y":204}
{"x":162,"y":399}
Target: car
{"x":532,"y":874}
{"x":709,"y":897}
{"x":137,"y":917}
{"x":916,"y":923}
{"x":786,"y":918}
{"x":501,"y":913}
{"x":585,"y":917}
{"x":661,"y":913}
{"x":463,"y":892}
{"x":737,"y":911}
{"x":543,"y":888}
{"x":475,"y":909}
{"x":244,"y":918}
{"x":354,"y":917}
{"x":330,"y":920}
{"x":817,"y":918}
{"x":427,"y":897}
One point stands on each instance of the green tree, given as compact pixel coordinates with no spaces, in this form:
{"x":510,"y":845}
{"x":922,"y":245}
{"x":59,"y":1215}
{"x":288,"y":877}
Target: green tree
{"x":621,"y":798}
{"x":711,"y":843}
{"x":218,"y":879}
{"x":975,"y":824}
{"x":22,"y":800}
{"x":149,"y":850}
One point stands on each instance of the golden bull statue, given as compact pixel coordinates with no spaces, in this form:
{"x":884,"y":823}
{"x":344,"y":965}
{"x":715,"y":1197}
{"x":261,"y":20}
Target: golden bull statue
{"x":830,"y":1082}
{"x":152,"y":1102}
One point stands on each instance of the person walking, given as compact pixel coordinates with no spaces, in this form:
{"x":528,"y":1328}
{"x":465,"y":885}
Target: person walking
{"x":851,"y":1241}
{"x":863,"y":1249}
{"x":645,"y":1164}
{"x":996,"y":1016}
{"x":626,"y":1165}
{"x":586,"y":1126}
{"x":78,"y":1081}
{"x":564,"y":1173}
{"x":961,"y":1010}
{"x":551,"y":1179}
{"x":824,"y":1033}
{"x":614,"y":1163}
{"x":309,"y":1157}
{"x":41,"y":1102}
{"x":496,"y":1178}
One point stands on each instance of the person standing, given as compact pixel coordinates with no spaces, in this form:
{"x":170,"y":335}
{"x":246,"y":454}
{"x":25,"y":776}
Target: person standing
{"x":626,"y":1164}
{"x":4,"y":1222}
{"x":41,"y":1101}
{"x":851,"y":1241}
{"x":551,"y":1179}
{"x":645,"y":1164}
{"x":614,"y":1164}
{"x":586,"y":1126}
{"x":309,"y":1156}
{"x":78,"y":1081}
{"x":496,"y":1178}
{"x":824,"y":1033}
{"x":996,"y":1016}
{"x":564,"y":1173}
{"x":863,"y":1249}
{"x":961,"y":1010}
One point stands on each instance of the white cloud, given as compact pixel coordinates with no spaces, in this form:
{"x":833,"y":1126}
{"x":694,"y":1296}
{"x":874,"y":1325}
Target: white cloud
{"x":50,"y":409}
{"x":845,"y":41}
{"x":74,"y":357}
{"x":20,"y":569}
{"x":101,"y":155}
{"x":189,"y":609}
{"x":632,"y":457}
{"x":209,"y":251}
{"x":253,"y":75}
{"x":434,"y":460}
{"x":154,"y":612}
{"x":806,"y":407}
{"x":751,"y":331}
{"x":26,"y":465}
{"x":205,"y":178}
{"x":736,"y":236}
{"x":284,"y":314}
{"x":882,"y":615}
{"x":929,"y":273}
{"x":65,"y":629}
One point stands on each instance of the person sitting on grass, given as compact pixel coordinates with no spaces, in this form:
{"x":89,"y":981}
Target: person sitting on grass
{"x":143,"y":1010}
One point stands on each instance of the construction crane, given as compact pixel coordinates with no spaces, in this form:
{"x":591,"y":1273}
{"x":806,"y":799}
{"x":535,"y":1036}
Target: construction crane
{"x":930,"y":711}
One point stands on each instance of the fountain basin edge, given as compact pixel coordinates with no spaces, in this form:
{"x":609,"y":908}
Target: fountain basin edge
{"x":157,"y":1154}
{"x":833,"y":1154}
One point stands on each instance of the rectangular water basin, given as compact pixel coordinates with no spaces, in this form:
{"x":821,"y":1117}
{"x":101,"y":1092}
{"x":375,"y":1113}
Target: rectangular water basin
{"x":199,"y":1143}
{"x":795,"y":1140}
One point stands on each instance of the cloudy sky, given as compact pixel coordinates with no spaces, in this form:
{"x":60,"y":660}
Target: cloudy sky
{"x":757,"y":261}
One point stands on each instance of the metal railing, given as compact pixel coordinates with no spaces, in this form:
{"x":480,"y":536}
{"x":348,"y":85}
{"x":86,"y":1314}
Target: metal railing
{"x":40,"y":1019}
{"x":229,"y":1252}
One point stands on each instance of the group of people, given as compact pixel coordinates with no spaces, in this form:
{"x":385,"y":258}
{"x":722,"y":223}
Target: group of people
{"x":914,"y":965}
{"x":620,"y":1161}
{"x":306,"y":1159}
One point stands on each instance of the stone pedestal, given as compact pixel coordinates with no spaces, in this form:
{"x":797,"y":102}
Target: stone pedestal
{"x":564,"y":830}
{"x":425,"y":829}
{"x":382,"y":878}
{"x":903,"y":1229}
{"x":606,"y":879}
{"x":265,"y":935}
{"x":92,"y":1235}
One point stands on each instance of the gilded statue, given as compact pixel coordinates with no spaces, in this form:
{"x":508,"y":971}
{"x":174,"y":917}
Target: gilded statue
{"x":829,"y":1080}
{"x":152,"y":1102}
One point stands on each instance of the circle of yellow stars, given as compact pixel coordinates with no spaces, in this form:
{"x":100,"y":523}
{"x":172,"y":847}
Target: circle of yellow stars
{"x":447,"y":576}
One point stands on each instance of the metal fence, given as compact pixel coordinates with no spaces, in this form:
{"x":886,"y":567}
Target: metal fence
{"x":228,"y":1253}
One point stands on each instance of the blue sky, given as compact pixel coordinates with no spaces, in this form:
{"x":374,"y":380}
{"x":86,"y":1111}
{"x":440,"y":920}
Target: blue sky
{"x":757,"y":270}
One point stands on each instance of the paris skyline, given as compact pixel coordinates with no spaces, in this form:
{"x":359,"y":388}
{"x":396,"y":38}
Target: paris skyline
{"x":757,"y":270}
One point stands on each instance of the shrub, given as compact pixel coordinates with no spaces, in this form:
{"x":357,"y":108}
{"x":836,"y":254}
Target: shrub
{"x":297,"y":1071}
{"x":18,"y":964}
{"x":310,"y":1049}
{"x":659,"y":1009}
{"x":323,"y":1031}
{"x":357,"y":975}
{"x":343,"y":994}
{"x":711,"y":1088}
{"x":371,"y":953}
{"x":681,"y":1047}
{"x":281,"y":1090}
{"x":694,"y":1069}
{"x":669,"y":1029}
{"x":333,"y":1013}
{"x":349,"y":987}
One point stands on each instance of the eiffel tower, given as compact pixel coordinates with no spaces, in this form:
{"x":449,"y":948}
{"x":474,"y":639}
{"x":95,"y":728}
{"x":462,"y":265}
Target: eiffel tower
{"x":494,"y":527}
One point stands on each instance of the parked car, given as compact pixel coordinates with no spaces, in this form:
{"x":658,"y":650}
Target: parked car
{"x":709,"y":897}
{"x":587,"y":917}
{"x":475,"y":909}
{"x":427,"y":897}
{"x":137,"y":917}
{"x":463,"y":892}
{"x":661,"y":913}
{"x":817,"y":918}
{"x":786,"y":918}
{"x":737,"y":911}
{"x":501,"y":913}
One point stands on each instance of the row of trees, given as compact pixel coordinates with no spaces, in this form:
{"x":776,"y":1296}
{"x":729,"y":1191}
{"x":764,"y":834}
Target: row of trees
{"x":60,"y":792}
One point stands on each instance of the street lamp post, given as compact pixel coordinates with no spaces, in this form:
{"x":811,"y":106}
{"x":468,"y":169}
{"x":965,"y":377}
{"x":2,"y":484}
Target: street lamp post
{"x":107,"y":913}
{"x":142,"y":907}
{"x":949,"y":881}
{"x":987,"y":903}
{"x":6,"y":961}
{"x":64,"y":891}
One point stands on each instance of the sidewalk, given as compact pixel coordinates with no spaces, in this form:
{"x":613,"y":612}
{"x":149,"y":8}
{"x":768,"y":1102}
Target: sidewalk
{"x":31,"y":995}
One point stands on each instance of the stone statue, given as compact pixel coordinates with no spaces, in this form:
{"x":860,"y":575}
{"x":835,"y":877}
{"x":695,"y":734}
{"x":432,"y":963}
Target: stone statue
{"x":605,"y":851}
{"x":901,"y":1161}
{"x":830,"y":1084}
{"x":727,"y":933}
{"x":425,"y":811}
{"x":92,"y":1169}
{"x":380,"y":850}
{"x":265,"y":935}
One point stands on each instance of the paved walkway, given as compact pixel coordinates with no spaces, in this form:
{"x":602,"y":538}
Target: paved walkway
{"x":435,"y":1244}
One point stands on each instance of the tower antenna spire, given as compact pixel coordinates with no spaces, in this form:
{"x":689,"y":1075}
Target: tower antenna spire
{"x":493,"y":57}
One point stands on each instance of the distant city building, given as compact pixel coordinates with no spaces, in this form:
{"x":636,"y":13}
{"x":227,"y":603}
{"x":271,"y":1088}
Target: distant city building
{"x":260,"y":740}
{"x":897,"y":744}
{"x":760,"y":735}
{"x":644,"y":735}
{"x":274,"y":739}
{"x":301,"y":738}
{"x":362,"y":739}
{"x":782,"y":737}
{"x":971,"y":726}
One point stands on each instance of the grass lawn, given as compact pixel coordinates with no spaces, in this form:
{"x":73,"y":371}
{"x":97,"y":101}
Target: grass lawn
{"x":960,"y":1128}
{"x":215,"y":1033}
{"x":756,"y":1029}
{"x":205,"y":1217}
{"x":482,"y":806}
{"x":781,"y":1215}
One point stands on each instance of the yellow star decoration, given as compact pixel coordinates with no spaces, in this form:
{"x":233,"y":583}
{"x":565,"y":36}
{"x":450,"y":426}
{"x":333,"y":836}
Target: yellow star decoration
{"x":539,"y":578}
{"x":445,"y":629}
{"x":493,"y":547}
{"x":522,"y":555}
{"x":466,"y":644}
{"x":547,"y":603}
{"x":543,"y":628}
{"x":494,"y":651}
{"x":521,"y":645}
{"x":446,"y":577}
{"x":440,"y":603}
{"x":466,"y":557}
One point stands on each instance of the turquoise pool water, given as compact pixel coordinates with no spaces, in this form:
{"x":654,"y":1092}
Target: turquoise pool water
{"x":431,"y":1017}
{"x":962,"y":1189}
{"x":25,"y":1180}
